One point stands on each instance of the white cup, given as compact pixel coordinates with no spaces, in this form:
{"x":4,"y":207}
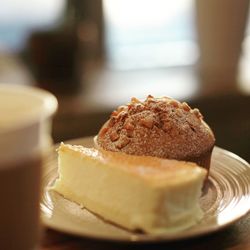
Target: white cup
{"x":220,"y":32}
{"x":25,"y":127}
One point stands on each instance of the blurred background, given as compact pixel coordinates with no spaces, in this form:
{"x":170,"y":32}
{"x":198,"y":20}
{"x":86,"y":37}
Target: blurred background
{"x":95,"y":55}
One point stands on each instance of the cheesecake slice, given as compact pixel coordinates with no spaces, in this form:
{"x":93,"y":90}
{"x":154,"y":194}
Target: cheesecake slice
{"x":136,"y":192}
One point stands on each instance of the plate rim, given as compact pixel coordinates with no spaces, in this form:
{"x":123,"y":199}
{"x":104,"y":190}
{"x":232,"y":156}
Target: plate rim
{"x":134,"y":238}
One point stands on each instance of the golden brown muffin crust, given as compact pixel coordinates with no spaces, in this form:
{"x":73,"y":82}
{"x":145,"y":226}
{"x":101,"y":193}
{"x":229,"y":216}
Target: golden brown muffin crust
{"x":161,"y":127}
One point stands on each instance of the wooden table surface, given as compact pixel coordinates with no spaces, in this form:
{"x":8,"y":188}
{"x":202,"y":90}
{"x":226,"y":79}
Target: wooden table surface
{"x":235,"y":237}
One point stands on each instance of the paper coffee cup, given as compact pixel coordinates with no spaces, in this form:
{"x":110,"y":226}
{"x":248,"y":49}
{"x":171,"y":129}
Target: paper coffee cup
{"x":25,"y":127}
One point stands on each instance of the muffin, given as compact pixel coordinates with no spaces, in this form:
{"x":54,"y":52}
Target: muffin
{"x":160,"y":127}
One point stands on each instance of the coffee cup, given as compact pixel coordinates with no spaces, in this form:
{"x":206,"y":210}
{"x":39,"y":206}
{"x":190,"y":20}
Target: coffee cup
{"x":25,"y":126}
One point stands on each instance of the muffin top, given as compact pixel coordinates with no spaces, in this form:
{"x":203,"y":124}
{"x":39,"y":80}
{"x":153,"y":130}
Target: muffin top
{"x":161,"y":127}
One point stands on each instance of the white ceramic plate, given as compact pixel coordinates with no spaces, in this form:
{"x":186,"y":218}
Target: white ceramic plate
{"x":225,"y":200}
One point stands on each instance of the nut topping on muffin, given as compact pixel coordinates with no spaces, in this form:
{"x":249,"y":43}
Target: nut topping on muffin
{"x":161,"y":127}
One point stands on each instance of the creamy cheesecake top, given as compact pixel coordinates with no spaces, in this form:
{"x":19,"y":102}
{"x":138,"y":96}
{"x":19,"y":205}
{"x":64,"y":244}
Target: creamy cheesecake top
{"x":161,"y":127}
{"x":156,"y":171}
